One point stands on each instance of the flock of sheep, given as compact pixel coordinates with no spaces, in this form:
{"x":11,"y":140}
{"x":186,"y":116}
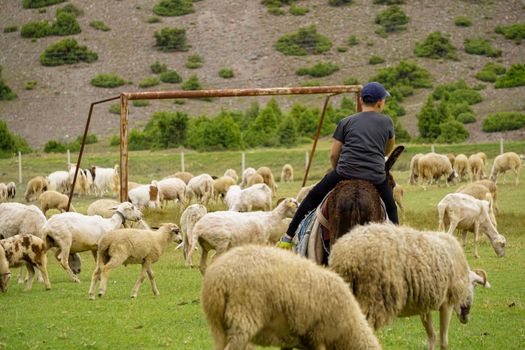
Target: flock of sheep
{"x":253,"y":293}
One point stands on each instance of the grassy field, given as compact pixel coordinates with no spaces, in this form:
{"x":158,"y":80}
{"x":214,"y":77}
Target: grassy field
{"x":63,"y":318}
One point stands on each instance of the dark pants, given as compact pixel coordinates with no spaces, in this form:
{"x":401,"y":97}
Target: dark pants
{"x":316,"y":195}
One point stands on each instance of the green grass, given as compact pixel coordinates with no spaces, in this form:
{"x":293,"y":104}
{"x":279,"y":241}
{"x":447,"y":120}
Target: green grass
{"x":63,"y":318}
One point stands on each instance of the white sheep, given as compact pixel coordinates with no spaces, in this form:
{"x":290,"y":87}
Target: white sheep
{"x":82,"y":184}
{"x":433,"y":166}
{"x":11,"y":190}
{"x":414,"y":170}
{"x":222,"y":230}
{"x":287,"y":173}
{"x":477,"y":167}
{"x":221,"y":186}
{"x":258,"y":196}
{"x":106,"y":207}
{"x":54,"y":200}
{"x":145,"y":196}
{"x":232,"y":196}
{"x":28,"y":250}
{"x":201,"y":187}
{"x":268,"y":178}
{"x":170,"y":190}
{"x":233,"y":174}
{"x":466,"y":213}
{"x":183,"y":175}
{"x":105,"y":179}
{"x":3,"y":192}
{"x":504,"y":162}
{"x":74,"y":232}
{"x":188,"y":219}
{"x":399,"y":271}
{"x":271,"y":297}
{"x":462,"y":167}
{"x":131,"y":246}
{"x":246,"y":175}
{"x":34,"y":187}
{"x":59,"y":181}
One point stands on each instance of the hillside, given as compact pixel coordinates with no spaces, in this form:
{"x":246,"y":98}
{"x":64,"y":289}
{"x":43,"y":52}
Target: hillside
{"x":238,"y":34}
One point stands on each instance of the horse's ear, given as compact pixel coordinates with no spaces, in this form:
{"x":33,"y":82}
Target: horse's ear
{"x":392,"y":158}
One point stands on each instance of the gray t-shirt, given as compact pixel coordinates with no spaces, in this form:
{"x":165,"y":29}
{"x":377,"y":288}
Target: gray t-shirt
{"x":364,"y":136}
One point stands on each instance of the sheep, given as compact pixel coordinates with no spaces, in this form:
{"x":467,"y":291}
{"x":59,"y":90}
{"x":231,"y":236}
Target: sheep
{"x":202,"y":187}
{"x":11,"y":190}
{"x":145,"y":196}
{"x":35,"y":187}
{"x":3,"y":192}
{"x":462,"y":167}
{"x":287,"y":173}
{"x":462,"y":211}
{"x":221,"y":186}
{"x":232,"y":196}
{"x":452,"y":158}
{"x":170,"y":190}
{"x":59,"y":181}
{"x":399,"y":192}
{"x":106,"y":208}
{"x":483,"y":157}
{"x":246,"y":175}
{"x":479,"y":190}
{"x":222,"y":230}
{"x":183,"y":175}
{"x":414,"y":171}
{"x":271,"y":297}
{"x":233,"y":174}
{"x":477,"y":167}
{"x":432,"y":166}
{"x":131,"y":246}
{"x":28,"y":250}
{"x":5,"y":273}
{"x":504,"y":162}
{"x":105,"y":179}
{"x":82,"y":183}
{"x":267,"y":175}
{"x":399,"y":271}
{"x":54,"y":200}
{"x":258,"y":196}
{"x":254,"y":179}
{"x":74,"y":232}
{"x":188,"y":219}
{"x":303,"y":192}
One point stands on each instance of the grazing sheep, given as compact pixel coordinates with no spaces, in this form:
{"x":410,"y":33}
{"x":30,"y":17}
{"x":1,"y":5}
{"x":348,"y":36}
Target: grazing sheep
{"x":271,"y":297}
{"x":433,"y":166}
{"x":452,"y":158}
{"x":414,"y":170}
{"x":254,"y":179}
{"x":399,"y":192}
{"x":131,"y":246}
{"x":222,"y":230}
{"x":267,"y":176}
{"x":54,"y":200}
{"x":258,"y":196}
{"x":246,"y":175}
{"x":105,"y":179}
{"x":462,"y":211}
{"x":82,"y":184}
{"x":504,"y":162}
{"x":145,"y":196}
{"x":28,"y":250}
{"x":74,"y":232}
{"x":462,"y":167}
{"x":233,"y":174}
{"x":483,"y":157}
{"x":11,"y":190}
{"x":59,"y":181}
{"x":221,"y":186}
{"x":188,"y":219}
{"x":103,"y":207}
{"x":399,"y":271}
{"x":183,"y":175}
{"x":303,"y":192}
{"x":477,"y":167}
{"x":202,"y":187}
{"x":5,"y":273}
{"x":479,"y":190}
{"x":34,"y":187}
{"x":170,"y":190}
{"x":3,"y":192}
{"x":287,"y":173}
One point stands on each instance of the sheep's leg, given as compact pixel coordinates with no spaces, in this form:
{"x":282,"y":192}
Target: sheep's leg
{"x":517,"y":173}
{"x":20,"y":275}
{"x":219,"y":337}
{"x":151,"y":276}
{"x":445,"y":312}
{"x":30,"y":276}
{"x":239,"y":339}
{"x":476,"y":237}
{"x":464,"y":238}
{"x":106,"y":269}
{"x":142,"y":276}
{"x":64,"y":261}
{"x":204,"y":257}
{"x":94,"y":279}
{"x":427,"y":323}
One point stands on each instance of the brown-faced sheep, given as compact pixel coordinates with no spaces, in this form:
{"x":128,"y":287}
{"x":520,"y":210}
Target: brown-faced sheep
{"x":11,"y":190}
{"x":271,"y":297}
{"x":287,"y":173}
{"x":35,"y":186}
{"x":504,"y":162}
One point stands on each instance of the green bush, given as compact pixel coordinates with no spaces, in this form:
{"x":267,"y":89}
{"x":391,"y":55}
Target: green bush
{"x":99,"y":25}
{"x":140,"y":103}
{"x":153,"y":19}
{"x":466,"y":118}
{"x":490,"y":72}
{"x":66,"y":51}
{"x":503,"y":121}
{"x":53,"y":146}
{"x":375,"y":59}
{"x":303,"y":42}
{"x":171,"y":77}
{"x":515,"y":76}
{"x":310,"y":83}
{"x":277,"y":3}
{"x":479,"y":46}
{"x":353,"y":40}
{"x":392,"y":19}
{"x":341,"y":49}
{"x":389,"y":2}
{"x":30,"y":85}
{"x":194,"y":61}
{"x":452,"y":131}
{"x":462,"y":21}
{"x":263,"y":130}
{"x":394,"y":109}
{"x":115,"y":108}
{"x":459,"y":108}
{"x":192,"y":83}
{"x":218,"y":133}
{"x":287,"y":132}
{"x":226,"y":73}
{"x":430,"y":117}
{"x":65,"y":24}
{"x":276,"y":11}
{"x":320,"y":69}
{"x":5,"y":91}
{"x":36,"y":29}
{"x":298,"y":11}
{"x":10,"y":29}
{"x":33,"y":4}
{"x":149,"y":82}
{"x":436,"y":45}
{"x":138,"y":140}
{"x":167,"y":129}
{"x":158,"y":68}
{"x":10,"y":142}
{"x":173,"y":7}
{"x":107,"y":80}
{"x":171,"y":39}
{"x":351,"y":81}
{"x":114,"y":140}
{"x":70,"y":8}
{"x":339,"y":2}
{"x":457,"y":93}
{"x":514,"y":32}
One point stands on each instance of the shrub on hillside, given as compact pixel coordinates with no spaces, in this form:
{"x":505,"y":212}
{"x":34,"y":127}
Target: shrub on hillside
{"x":490,"y":72}
{"x":192,"y":83}
{"x":277,"y":3}
{"x":211,"y":134}
{"x":107,"y":80}
{"x":298,"y":11}
{"x":53,"y":146}
{"x":466,"y":118}
{"x":32,"y":4}
{"x":392,"y":19}
{"x":36,"y":29}
{"x":287,"y":132}
{"x":66,"y":51}
{"x":65,"y":24}
{"x":171,"y":77}
{"x":140,"y":103}
{"x":462,"y":21}
{"x":11,"y":142}
{"x":436,"y":45}
{"x":458,"y":92}
{"x":153,"y":19}
{"x":70,"y":8}
{"x":320,"y":69}
{"x":99,"y":25}
{"x":478,"y":46}
{"x":194,"y":61}
{"x":10,"y":29}
{"x":400,"y":80}
{"x":173,"y":7}
{"x":158,"y":68}
{"x":167,"y":129}
{"x":514,"y":32}
{"x":171,"y":39}
{"x":149,"y":82}
{"x":515,"y":76}
{"x":430,"y":118}
{"x":389,"y":2}
{"x":452,"y":131}
{"x":353,"y":40}
{"x":30,"y":85}
{"x":502,"y":121}
{"x":375,"y":59}
{"x":263,"y":130}
{"x":5,"y":91}
{"x":303,"y":42}
{"x":226,"y":73}
{"x":339,"y":2}
{"x":351,"y":81}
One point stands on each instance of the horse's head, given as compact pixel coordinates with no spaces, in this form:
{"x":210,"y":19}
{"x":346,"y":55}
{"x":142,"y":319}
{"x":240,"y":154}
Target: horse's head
{"x":391,"y":160}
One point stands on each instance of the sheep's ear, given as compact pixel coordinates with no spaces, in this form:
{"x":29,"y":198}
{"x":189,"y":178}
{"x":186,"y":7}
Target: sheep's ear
{"x":392,"y":158}
{"x":479,"y":276}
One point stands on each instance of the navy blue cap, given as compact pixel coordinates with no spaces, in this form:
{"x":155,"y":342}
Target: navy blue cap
{"x":373,"y":92}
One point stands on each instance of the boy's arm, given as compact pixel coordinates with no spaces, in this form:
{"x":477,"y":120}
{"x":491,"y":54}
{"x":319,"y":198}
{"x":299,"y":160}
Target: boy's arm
{"x":390,"y":145}
{"x":335,"y":152}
